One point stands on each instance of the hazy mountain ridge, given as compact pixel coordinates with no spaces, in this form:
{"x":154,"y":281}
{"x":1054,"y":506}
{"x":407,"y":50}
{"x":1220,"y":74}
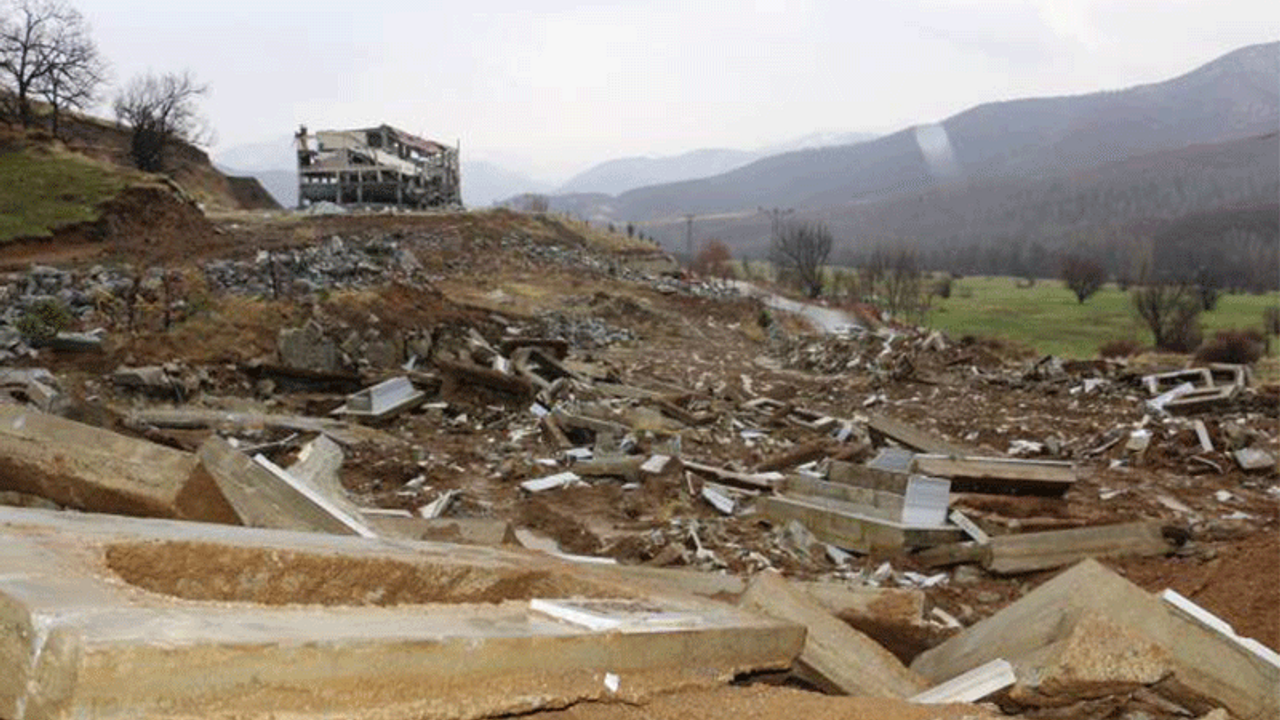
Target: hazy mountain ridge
{"x":1233,"y":96}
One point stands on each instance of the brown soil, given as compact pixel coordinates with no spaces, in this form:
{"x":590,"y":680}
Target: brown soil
{"x":145,"y":224}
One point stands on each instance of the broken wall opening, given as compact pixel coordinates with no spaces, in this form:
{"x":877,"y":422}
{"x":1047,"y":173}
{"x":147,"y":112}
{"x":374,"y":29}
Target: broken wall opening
{"x":220,"y":573}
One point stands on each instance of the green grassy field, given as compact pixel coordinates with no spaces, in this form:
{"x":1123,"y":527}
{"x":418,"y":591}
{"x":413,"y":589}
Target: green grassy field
{"x":43,"y":189}
{"x":1048,"y":318}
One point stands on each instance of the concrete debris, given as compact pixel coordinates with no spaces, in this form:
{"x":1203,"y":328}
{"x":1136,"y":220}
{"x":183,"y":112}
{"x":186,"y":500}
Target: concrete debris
{"x":1088,"y":632}
{"x":718,"y":500}
{"x":35,"y":386}
{"x":834,"y":655}
{"x":267,"y":496}
{"x":1030,"y":552}
{"x":658,"y":445}
{"x":551,"y":482}
{"x":94,"y":470}
{"x":366,"y":624}
{"x":1251,"y":459}
{"x":384,"y":400}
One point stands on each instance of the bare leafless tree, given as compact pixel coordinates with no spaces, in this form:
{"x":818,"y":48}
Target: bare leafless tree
{"x":537,"y":204}
{"x":46,"y":52}
{"x":905,"y":294}
{"x":801,"y":249}
{"x":1083,"y":276}
{"x":161,"y":109}
{"x":1171,"y":309}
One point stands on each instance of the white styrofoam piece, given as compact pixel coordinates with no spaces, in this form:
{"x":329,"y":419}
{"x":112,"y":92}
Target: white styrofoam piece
{"x":971,"y":686}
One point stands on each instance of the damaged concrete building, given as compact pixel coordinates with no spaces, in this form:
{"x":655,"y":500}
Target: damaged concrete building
{"x":378,"y":166}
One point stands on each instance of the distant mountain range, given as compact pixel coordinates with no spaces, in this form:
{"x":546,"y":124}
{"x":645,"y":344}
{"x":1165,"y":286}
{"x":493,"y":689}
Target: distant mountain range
{"x":618,"y":176}
{"x":1232,"y":97}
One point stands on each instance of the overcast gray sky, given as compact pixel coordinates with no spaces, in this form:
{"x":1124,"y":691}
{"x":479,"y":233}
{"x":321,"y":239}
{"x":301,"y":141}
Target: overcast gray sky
{"x":554,"y":86}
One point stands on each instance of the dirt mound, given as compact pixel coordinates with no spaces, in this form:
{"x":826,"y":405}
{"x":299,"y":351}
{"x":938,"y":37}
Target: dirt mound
{"x":144,"y":224}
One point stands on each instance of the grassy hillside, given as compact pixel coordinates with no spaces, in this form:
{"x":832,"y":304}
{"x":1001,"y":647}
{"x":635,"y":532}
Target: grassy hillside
{"x":1048,"y":318}
{"x":42,"y":188}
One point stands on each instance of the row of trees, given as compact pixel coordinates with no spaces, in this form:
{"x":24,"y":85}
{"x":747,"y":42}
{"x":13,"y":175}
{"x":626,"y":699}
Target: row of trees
{"x":48,"y":56}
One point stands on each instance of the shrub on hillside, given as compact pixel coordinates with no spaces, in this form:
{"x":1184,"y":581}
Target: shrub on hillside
{"x":1271,"y":320}
{"x":1233,"y":346}
{"x":1126,"y":347}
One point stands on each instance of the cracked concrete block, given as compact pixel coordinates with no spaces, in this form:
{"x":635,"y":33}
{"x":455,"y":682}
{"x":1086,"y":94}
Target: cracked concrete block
{"x":88,"y":468}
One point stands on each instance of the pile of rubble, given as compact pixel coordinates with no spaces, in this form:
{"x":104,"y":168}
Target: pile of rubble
{"x":487,"y":517}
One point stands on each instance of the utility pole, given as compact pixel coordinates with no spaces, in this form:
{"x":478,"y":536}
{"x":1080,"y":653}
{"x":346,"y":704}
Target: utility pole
{"x":688,"y":236}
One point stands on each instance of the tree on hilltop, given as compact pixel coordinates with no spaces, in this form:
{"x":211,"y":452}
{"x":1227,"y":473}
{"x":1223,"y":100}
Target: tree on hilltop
{"x":46,"y":52}
{"x":160,"y":110}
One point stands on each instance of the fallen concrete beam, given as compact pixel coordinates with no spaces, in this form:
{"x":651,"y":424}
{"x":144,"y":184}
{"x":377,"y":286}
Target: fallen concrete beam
{"x":115,"y":618}
{"x":799,"y":455}
{"x":751,"y":481}
{"x":840,"y":656}
{"x":91,"y":469}
{"x":981,"y":474}
{"x":841,"y":525}
{"x":479,"y":375}
{"x":912,"y":437}
{"x":194,"y":419}
{"x":627,"y":468}
{"x":1029,"y":552}
{"x":265,"y":496}
{"x":1039,"y":635}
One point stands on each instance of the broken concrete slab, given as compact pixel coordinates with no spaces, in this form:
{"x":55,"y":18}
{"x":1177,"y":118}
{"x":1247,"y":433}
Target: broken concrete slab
{"x":462,"y":531}
{"x":121,"y":618}
{"x":913,"y":437}
{"x":999,"y":475}
{"x":1030,"y":552}
{"x":838,"y":655}
{"x":476,"y":374}
{"x":1208,"y":670}
{"x":91,"y":469}
{"x":1254,"y":459}
{"x":36,"y":386}
{"x":307,"y":348}
{"x":843,"y":526}
{"x":319,"y":463}
{"x":266,"y":496}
